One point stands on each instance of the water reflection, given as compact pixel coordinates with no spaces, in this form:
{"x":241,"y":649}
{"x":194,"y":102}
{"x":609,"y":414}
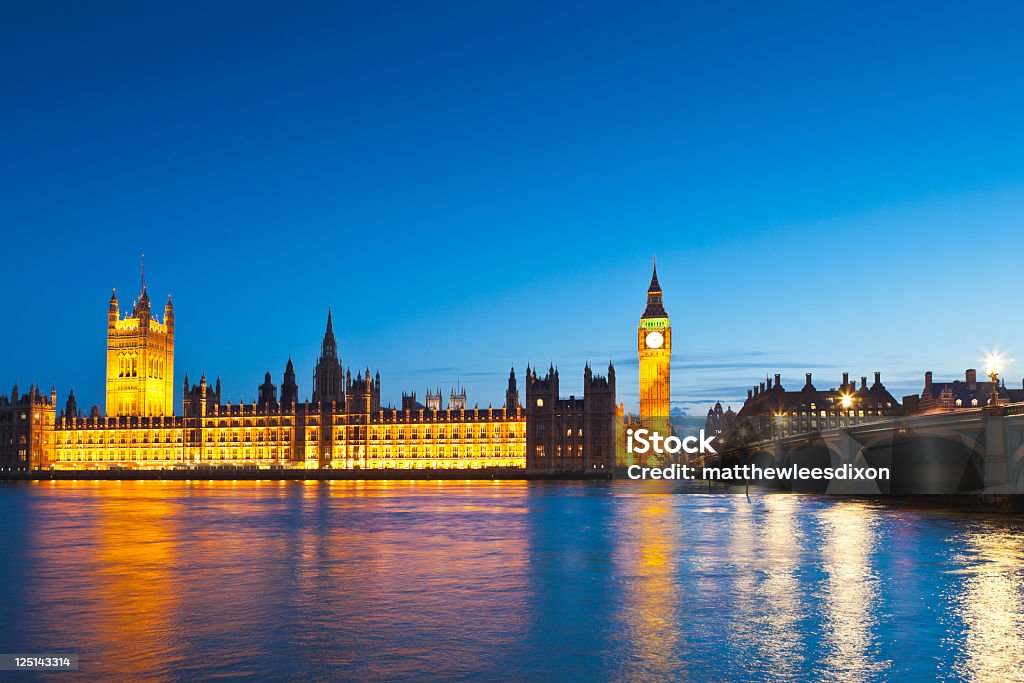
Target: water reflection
{"x":782,"y":606}
{"x":496,"y":581}
{"x":851,"y":593}
{"x":652,"y":593}
{"x":990,"y":605}
{"x":237,"y":578}
{"x":765,"y":552}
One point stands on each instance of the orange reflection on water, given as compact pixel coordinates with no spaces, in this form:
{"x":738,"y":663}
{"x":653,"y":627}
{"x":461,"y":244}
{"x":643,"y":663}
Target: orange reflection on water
{"x":158,"y":577}
{"x":646,"y":557}
{"x":107,"y":561}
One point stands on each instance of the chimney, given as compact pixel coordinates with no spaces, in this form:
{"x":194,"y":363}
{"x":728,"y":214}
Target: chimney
{"x":928,"y":379}
{"x":778,"y":381}
{"x":863,"y":382}
{"x":769,"y":385}
{"x":750,"y":394}
{"x":846,"y":379}
{"x":972,"y":378}
{"x":762,"y":387}
{"x":878,"y":379}
{"x":808,"y":384}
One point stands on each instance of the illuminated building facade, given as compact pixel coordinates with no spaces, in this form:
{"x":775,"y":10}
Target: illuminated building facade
{"x":771,"y":411}
{"x":654,"y":346}
{"x":574,"y":434}
{"x":343,"y":427}
{"x":140,"y":360}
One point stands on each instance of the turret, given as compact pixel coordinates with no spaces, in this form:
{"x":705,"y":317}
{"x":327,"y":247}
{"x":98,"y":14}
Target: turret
{"x":71,"y":406}
{"x":113,"y":312}
{"x":202,"y":395}
{"x":267,"y":391}
{"x":169,"y":315}
{"x":512,"y":392}
{"x":289,"y":388}
{"x":143,"y":311}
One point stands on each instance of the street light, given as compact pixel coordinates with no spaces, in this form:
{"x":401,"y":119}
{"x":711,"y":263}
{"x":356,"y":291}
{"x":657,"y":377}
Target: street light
{"x":993,"y":366}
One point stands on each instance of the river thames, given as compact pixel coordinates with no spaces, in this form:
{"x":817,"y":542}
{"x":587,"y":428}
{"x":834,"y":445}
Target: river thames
{"x":421,"y":580}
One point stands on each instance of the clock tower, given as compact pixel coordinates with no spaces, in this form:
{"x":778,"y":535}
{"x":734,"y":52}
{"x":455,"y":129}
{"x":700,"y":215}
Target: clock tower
{"x":654,"y":344}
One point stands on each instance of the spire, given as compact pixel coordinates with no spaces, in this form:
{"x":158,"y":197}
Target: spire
{"x":144,"y":295}
{"x":113,"y":313}
{"x":655,"y":307}
{"x":329,"y":346}
{"x":655,"y":285}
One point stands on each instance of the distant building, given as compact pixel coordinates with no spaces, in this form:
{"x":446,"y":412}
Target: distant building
{"x":573,"y":434}
{"x":720,"y":422}
{"x":771,"y":411}
{"x":26,"y":429}
{"x":940,"y":397}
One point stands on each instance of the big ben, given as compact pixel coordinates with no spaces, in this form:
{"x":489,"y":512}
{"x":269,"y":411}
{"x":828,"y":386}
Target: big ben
{"x":654,"y":344}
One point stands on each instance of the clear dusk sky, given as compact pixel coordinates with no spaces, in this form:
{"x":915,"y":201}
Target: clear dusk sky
{"x":471,"y":185}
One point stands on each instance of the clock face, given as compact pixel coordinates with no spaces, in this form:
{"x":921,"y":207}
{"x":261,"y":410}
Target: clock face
{"x":654,"y":340}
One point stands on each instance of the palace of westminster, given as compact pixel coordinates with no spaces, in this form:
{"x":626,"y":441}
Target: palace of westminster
{"x":343,"y":426}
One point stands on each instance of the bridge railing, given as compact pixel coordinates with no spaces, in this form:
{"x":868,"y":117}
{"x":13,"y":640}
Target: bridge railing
{"x":762,"y":431}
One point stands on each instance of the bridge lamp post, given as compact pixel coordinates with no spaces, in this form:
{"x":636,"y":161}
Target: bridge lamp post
{"x":846,"y":401}
{"x":992,"y":367}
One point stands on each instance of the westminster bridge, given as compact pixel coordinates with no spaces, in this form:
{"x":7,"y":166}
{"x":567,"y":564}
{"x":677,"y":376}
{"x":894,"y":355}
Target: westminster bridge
{"x":978,"y":450}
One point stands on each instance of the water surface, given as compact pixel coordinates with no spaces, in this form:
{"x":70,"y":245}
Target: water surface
{"x":502,"y":580}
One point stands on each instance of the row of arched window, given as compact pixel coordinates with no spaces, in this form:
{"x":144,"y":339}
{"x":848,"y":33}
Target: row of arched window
{"x":128,"y":366}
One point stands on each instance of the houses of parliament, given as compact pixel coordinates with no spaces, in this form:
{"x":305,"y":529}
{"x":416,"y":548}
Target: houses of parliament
{"x":343,"y":425}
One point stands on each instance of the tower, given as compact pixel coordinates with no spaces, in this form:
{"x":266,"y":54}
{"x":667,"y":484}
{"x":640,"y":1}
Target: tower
{"x":289,"y":389}
{"x":434,"y":400}
{"x":654,"y":344}
{"x":71,"y":406}
{"x":457,"y":401}
{"x":267,"y":391}
{"x":512,"y":393}
{"x":140,"y":359}
{"x":328,"y":383}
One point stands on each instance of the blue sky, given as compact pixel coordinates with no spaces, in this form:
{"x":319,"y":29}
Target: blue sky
{"x":828,"y":186}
